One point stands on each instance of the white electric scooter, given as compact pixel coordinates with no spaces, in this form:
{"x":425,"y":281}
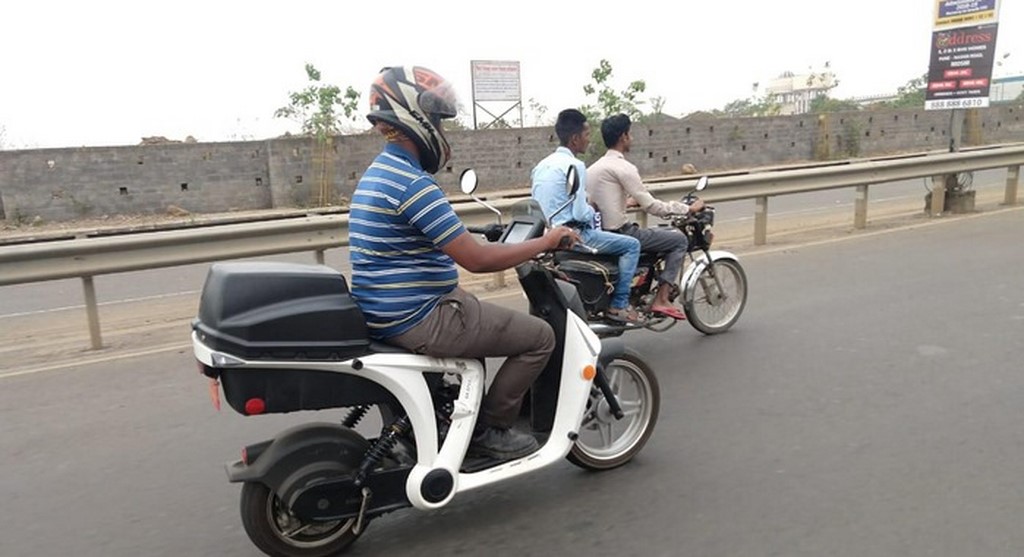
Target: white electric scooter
{"x":282,"y":337}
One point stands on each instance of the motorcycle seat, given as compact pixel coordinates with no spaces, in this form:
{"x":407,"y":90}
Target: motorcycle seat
{"x":565,"y":255}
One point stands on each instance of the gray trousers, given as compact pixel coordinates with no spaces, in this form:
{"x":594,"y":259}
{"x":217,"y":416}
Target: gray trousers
{"x":462,"y":326}
{"x":665,"y":240}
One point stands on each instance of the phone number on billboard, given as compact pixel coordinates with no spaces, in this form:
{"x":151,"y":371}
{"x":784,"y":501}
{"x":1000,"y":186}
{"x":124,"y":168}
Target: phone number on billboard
{"x":956,"y":103}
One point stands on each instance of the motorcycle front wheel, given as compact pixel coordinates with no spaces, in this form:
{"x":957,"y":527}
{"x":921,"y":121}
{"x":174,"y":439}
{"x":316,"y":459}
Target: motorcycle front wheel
{"x":713,"y":306}
{"x":605,"y":442}
{"x":279,"y":533}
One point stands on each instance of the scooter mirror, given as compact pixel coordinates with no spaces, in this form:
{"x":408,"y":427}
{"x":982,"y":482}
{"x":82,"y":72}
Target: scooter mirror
{"x":702,"y":183}
{"x":468,"y":181}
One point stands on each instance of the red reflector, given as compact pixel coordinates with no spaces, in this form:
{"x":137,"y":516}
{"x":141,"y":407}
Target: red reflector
{"x":245,"y":456}
{"x":255,"y":406}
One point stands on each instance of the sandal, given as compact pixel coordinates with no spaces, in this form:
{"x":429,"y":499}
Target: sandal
{"x":626,"y":315}
{"x":669,"y":311}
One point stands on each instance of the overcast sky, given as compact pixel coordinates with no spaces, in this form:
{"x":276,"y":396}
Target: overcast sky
{"x":105,"y":72}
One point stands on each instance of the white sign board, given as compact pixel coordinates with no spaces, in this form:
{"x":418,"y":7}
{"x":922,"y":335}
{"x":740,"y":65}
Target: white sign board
{"x":495,"y":81}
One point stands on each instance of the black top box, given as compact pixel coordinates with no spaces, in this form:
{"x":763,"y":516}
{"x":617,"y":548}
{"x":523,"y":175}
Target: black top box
{"x":274,"y":311}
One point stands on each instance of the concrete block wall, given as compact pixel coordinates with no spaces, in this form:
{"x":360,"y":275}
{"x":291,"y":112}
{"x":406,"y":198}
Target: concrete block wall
{"x":65,"y":184}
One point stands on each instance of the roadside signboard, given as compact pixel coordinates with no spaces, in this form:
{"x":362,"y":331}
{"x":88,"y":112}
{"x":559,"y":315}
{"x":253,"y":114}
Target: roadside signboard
{"x":496,"y":81}
{"x":962,"y":54}
{"x":960,"y":72}
{"x":964,"y":13}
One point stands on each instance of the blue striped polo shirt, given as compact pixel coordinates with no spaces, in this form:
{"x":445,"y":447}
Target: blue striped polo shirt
{"x":398,"y":222}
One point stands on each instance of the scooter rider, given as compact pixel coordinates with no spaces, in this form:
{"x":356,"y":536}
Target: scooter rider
{"x":549,"y":177}
{"x":613,"y":180}
{"x":405,"y":242}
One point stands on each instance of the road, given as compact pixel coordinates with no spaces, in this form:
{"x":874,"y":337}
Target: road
{"x":868,"y":403}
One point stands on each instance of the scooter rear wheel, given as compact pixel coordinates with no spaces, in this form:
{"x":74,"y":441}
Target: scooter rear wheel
{"x":279,"y":533}
{"x":605,"y":442}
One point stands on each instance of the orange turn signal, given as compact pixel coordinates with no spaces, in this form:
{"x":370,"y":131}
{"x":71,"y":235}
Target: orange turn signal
{"x":589,"y":373}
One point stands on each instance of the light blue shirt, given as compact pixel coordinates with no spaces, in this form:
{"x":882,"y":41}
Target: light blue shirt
{"x":550,"y":192}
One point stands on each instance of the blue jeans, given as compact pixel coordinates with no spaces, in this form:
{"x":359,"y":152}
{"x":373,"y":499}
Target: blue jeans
{"x":628,"y":250}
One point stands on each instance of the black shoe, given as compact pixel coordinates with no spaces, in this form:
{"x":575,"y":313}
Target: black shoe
{"x":502,"y":443}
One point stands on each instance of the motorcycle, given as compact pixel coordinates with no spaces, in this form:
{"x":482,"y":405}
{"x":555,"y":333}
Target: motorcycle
{"x":282,"y":337}
{"x":713,"y":286}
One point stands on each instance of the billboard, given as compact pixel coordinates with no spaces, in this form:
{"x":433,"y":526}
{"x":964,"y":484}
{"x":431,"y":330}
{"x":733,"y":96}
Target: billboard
{"x":495,"y":81}
{"x":960,"y":72}
{"x":962,"y":54}
{"x":959,"y":13}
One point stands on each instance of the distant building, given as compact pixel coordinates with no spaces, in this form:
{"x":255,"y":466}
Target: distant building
{"x":795,"y":92}
{"x":869,"y":100}
{"x":1006,"y":89}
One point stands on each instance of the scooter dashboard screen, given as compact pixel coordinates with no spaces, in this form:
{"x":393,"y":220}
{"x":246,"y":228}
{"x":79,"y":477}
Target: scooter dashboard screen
{"x":518,"y":232}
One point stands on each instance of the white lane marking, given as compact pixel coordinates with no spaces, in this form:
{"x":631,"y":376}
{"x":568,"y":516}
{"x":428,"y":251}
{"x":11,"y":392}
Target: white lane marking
{"x":97,"y":360}
{"x":101,"y":304}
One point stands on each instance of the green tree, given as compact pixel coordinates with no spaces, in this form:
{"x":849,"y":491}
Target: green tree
{"x":910,"y":95}
{"x":315,"y":107}
{"x":755,"y":105}
{"x":604,"y":101}
{"x":826,"y":103}
{"x":538,"y":112}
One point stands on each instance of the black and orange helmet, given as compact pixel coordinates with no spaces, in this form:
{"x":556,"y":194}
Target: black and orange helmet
{"x":414,"y":100}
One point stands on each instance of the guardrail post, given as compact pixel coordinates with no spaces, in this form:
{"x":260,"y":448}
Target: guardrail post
{"x":1012,"y":180}
{"x":860,"y":207}
{"x":92,"y":312}
{"x":320,"y":256}
{"x":641,"y":218}
{"x":938,"y":195}
{"x":761,"y":221}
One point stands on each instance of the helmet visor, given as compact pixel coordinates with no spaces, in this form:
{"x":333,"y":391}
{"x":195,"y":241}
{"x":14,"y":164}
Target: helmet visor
{"x":439,"y":102}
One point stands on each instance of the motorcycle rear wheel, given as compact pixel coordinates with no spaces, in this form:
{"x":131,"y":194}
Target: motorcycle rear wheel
{"x":277,"y":532}
{"x":710,"y":309}
{"x":605,"y":442}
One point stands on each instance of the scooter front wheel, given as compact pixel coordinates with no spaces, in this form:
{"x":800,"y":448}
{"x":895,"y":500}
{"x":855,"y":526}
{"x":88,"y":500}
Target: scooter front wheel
{"x":605,"y":442}
{"x":279,"y":533}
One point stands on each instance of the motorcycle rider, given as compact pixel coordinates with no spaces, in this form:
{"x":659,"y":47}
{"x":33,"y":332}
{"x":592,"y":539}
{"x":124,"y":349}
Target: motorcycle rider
{"x":549,"y":178}
{"x":613,"y":180}
{"x":405,"y":242}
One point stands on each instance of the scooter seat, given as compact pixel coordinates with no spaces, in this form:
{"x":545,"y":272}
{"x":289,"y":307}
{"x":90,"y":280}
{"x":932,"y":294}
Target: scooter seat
{"x":385,"y":348}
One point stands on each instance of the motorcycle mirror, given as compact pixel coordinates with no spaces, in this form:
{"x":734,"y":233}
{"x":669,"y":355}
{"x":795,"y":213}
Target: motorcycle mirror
{"x":702,"y":183}
{"x":572,"y":185}
{"x":572,"y":181}
{"x":468,"y":181}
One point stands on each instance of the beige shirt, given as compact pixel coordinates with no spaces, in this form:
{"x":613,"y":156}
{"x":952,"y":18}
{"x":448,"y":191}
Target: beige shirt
{"x":611,"y":180}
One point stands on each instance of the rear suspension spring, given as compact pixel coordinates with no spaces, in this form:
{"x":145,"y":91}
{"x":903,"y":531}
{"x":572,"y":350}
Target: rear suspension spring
{"x":387,"y":440}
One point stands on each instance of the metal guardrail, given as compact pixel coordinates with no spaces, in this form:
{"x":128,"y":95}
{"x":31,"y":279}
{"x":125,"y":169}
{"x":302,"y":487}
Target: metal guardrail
{"x":89,"y":257}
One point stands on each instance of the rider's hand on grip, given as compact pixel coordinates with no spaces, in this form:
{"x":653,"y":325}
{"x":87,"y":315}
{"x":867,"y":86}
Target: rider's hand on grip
{"x":562,"y":237}
{"x":696,"y":204}
{"x":493,"y":232}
